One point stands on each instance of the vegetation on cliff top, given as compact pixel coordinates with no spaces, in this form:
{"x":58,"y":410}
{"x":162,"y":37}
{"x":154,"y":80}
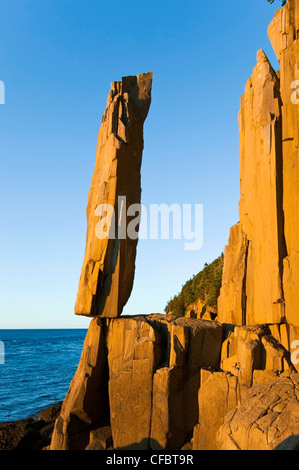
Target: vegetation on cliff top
{"x":204,"y":286}
{"x":283,"y":2}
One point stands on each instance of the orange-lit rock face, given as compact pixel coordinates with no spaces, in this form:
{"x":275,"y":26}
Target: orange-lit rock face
{"x":269,"y":179}
{"x":260,"y":207}
{"x":146,"y":381}
{"x":252,"y":279}
{"x":109,"y":264}
{"x":266,"y":420}
{"x":87,"y":399}
{"x":232,"y":299}
{"x":283,"y":33}
{"x":142,"y":375}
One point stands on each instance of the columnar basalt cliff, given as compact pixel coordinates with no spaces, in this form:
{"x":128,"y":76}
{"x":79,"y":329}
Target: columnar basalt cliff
{"x":283,"y":33}
{"x":163,"y":382}
{"x":259,"y":236}
{"x":261,"y":266}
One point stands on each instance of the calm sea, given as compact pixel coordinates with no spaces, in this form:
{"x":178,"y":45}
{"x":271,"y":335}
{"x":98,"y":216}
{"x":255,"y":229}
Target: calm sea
{"x":36,"y":369}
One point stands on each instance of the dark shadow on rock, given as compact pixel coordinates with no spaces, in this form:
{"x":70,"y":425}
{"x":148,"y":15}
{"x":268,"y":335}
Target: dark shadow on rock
{"x":290,"y":443}
{"x":145,"y":444}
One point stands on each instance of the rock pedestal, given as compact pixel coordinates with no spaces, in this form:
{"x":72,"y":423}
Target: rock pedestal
{"x":141,"y":374}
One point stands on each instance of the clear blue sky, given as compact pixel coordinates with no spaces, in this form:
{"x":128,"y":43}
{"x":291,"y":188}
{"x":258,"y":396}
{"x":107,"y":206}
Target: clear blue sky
{"x":58,"y":58}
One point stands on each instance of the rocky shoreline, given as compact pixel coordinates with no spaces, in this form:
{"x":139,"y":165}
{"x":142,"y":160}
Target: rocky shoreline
{"x":35,"y":432}
{"x":31,"y":433}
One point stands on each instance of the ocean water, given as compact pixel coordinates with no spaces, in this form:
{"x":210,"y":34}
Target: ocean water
{"x":36,"y":368}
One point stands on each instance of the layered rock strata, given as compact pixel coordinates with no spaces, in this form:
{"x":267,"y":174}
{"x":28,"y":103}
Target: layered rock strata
{"x":268,"y":418}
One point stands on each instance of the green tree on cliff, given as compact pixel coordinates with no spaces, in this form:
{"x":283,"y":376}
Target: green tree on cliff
{"x":283,"y":2}
{"x":204,"y":286}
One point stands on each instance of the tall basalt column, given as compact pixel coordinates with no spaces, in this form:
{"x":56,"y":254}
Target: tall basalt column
{"x":109,"y":263}
{"x":232,"y":299}
{"x":252,"y":278}
{"x":260,"y":204}
{"x":284,"y":35}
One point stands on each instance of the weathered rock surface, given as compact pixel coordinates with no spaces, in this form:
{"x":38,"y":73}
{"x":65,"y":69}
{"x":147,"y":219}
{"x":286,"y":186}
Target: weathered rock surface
{"x":133,"y":356}
{"x":252,"y":284}
{"x":218,"y":394}
{"x":267,"y":419}
{"x":260,"y":207}
{"x":232,"y":299}
{"x":283,"y":33}
{"x":251,"y":348}
{"x":109,"y":263}
{"x":261,"y":263}
{"x":201,"y":311}
{"x":100,"y":438}
{"x":192,"y":344}
{"x":250,"y":356}
{"x":86,"y":402}
{"x":257,"y":386}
